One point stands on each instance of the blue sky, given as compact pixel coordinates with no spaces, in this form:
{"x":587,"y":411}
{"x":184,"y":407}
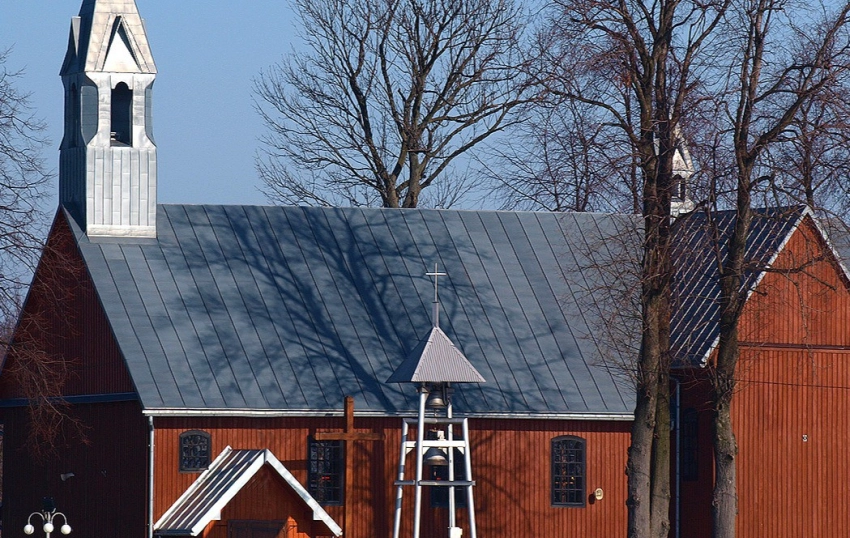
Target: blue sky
{"x":207,"y":53}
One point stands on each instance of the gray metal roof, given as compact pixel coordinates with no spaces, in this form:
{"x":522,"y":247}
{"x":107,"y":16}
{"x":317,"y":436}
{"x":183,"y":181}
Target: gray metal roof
{"x":214,"y":488}
{"x":436,"y":360}
{"x":284,"y":309}
{"x":697,"y":242}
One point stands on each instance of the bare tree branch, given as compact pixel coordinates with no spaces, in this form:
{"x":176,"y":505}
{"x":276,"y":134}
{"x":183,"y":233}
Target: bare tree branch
{"x":390,"y":97}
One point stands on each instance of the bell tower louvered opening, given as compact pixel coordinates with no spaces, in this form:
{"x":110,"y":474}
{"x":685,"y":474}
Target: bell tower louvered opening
{"x":121,"y":126}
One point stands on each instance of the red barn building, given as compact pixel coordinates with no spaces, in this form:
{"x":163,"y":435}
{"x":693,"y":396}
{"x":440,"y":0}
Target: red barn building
{"x":188,"y":364}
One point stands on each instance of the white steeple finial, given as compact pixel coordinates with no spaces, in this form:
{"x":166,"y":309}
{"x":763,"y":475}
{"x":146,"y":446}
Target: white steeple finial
{"x":683,"y":169}
{"x":436,"y":274}
{"x":107,"y":170}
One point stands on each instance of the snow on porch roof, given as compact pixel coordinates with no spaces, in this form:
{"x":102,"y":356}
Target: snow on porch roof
{"x":216,"y":487}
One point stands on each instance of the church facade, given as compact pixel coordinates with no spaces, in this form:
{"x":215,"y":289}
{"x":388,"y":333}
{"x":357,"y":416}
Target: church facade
{"x":225,"y":371}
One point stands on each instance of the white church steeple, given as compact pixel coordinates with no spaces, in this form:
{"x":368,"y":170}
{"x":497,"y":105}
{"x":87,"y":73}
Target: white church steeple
{"x":107,"y":169}
{"x":683,"y":168}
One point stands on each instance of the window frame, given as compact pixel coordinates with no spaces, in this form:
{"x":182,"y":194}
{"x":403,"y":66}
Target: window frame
{"x":184,"y":468}
{"x":337,"y":475}
{"x":559,"y":475}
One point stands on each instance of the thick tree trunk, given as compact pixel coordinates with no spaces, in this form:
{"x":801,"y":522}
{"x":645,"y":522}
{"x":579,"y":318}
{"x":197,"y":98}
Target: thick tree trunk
{"x":639,"y":465}
{"x":724,"y":505}
{"x":660,"y":526}
{"x":725,"y":500}
{"x":725,"y":497}
{"x":648,"y":479}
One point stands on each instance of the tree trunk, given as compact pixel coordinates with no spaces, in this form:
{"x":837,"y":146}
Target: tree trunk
{"x":639,"y":465}
{"x":660,"y":526}
{"x":649,"y":490}
{"x":724,"y":505}
{"x":725,"y":500}
{"x":732,"y":299}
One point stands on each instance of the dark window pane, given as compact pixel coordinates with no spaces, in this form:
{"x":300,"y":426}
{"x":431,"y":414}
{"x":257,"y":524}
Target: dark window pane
{"x":568,"y":471}
{"x":326,"y":468}
{"x":194,"y":451}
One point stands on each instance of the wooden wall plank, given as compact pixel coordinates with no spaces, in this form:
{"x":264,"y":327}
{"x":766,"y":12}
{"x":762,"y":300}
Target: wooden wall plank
{"x":511,"y":464}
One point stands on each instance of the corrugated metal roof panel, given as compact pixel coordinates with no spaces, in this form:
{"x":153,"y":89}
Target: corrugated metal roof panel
{"x":700,"y":246}
{"x":286,"y":308}
{"x":436,"y":360}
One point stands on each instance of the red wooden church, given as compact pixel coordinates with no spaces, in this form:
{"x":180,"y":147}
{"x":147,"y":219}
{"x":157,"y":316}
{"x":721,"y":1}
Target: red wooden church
{"x":201,"y":355}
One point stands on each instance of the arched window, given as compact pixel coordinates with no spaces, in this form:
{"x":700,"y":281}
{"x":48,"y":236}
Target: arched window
{"x":568,"y":471}
{"x":194,"y":451}
{"x":121,"y":126}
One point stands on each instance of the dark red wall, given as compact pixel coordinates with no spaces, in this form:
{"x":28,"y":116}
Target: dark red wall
{"x":63,"y":321}
{"x":105,"y":497}
{"x":510,"y":460}
{"x":64,"y":342}
{"x":791,"y":409}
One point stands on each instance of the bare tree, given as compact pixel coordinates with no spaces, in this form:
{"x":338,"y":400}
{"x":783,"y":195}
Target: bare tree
{"x":36,"y":372}
{"x":780,"y":67}
{"x":746,"y":81}
{"x":564,"y":157}
{"x":22,"y":178}
{"x":387,"y":99}
{"x":637,"y":64}
{"x":36,"y":367}
{"x":812,"y":156}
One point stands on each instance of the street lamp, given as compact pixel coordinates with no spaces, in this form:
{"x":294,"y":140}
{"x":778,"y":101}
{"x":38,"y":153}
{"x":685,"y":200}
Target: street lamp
{"x":47,"y":515}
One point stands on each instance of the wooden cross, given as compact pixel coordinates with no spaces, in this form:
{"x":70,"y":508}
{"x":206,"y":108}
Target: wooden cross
{"x":348,"y":435}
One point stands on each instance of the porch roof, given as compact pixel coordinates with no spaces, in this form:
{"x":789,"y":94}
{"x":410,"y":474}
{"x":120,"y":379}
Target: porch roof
{"x":216,"y":487}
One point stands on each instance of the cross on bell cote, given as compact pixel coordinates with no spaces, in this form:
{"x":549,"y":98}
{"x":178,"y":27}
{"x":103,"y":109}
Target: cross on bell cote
{"x":436,"y":274}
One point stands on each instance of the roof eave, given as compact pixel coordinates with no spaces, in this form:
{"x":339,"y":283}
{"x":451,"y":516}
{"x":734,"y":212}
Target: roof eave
{"x":272,"y":413}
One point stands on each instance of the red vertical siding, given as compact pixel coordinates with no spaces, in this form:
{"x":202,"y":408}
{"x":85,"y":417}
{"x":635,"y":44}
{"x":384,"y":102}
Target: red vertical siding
{"x":792,"y":409}
{"x":63,"y":320}
{"x":266,"y":497}
{"x":510,"y":459}
{"x":103,"y":445}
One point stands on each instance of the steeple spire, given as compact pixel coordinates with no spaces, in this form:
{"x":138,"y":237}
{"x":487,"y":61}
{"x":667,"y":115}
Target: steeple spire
{"x":683,"y":169}
{"x":107,"y":171}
